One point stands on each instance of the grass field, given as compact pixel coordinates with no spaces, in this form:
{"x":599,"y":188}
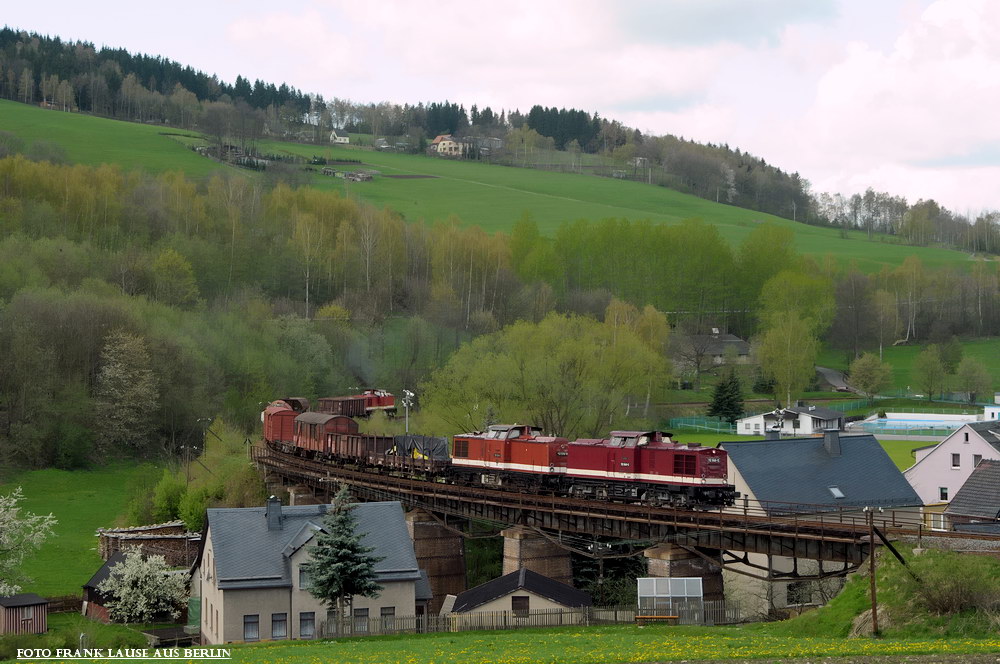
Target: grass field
{"x":984,"y":351}
{"x":82,"y":501}
{"x":492,"y":197}
{"x":592,"y":645}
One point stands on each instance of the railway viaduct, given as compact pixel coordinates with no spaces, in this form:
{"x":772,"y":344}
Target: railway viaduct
{"x":539,"y":530}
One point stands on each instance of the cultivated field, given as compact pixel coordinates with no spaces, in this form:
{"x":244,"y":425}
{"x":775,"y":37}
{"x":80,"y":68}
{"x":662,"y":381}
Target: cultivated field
{"x":492,"y":197}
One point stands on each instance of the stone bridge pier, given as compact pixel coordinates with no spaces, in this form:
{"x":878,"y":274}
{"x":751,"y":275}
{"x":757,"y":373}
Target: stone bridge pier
{"x":670,"y":560}
{"x":523,"y":547}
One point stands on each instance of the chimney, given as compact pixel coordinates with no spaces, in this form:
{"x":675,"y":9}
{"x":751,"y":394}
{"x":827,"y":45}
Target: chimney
{"x":831,"y":442}
{"x":273,"y":513}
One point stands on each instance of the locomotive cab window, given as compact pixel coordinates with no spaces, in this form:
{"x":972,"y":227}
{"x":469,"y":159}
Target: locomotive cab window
{"x":514,"y":433}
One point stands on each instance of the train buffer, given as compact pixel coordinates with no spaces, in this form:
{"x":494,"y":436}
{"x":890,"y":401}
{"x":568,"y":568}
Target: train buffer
{"x":645,"y":620}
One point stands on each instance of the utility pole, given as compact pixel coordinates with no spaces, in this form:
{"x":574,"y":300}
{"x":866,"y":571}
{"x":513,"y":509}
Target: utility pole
{"x":871,"y":568}
{"x":407,"y":402}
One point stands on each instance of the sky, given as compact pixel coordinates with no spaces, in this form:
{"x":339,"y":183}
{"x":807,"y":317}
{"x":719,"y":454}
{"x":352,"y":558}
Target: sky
{"x":898,"y":95}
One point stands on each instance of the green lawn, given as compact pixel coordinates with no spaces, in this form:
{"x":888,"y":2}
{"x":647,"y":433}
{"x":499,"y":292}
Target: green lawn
{"x":492,"y":197}
{"x":985,"y":351}
{"x":591,"y":645}
{"x":82,"y":501}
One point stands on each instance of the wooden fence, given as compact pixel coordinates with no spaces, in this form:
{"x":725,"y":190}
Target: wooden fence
{"x":709,"y":613}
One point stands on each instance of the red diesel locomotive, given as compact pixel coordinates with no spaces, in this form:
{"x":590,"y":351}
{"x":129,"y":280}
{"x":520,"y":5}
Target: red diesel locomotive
{"x":644,"y":466}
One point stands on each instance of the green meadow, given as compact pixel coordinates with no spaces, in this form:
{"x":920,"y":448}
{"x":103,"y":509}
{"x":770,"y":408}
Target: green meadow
{"x":489,"y":196}
{"x":985,"y":351}
{"x":82,"y":501}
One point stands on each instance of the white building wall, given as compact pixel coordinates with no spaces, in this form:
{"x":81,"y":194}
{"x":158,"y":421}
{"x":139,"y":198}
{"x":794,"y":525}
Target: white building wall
{"x":936,"y":470}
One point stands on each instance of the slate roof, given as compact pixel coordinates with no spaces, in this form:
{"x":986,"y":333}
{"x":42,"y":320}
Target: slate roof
{"x":979,"y":497}
{"x":525,"y":579}
{"x":816,"y":412}
{"x":716,"y":344}
{"x":422,"y":590}
{"x":24,"y":599}
{"x":800,"y":470}
{"x":248,"y":555}
{"x":105,"y":571}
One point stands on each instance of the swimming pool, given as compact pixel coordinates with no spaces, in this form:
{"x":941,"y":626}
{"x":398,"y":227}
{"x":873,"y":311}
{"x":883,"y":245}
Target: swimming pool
{"x":916,"y":421}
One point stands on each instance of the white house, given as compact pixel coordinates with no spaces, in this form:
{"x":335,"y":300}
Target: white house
{"x":446,"y":145}
{"x":799,"y":420}
{"x":941,"y":470}
{"x":340,"y":137}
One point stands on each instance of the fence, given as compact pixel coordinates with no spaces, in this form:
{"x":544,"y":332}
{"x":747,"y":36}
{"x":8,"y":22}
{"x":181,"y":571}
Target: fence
{"x":709,"y":613}
{"x":713,"y":424}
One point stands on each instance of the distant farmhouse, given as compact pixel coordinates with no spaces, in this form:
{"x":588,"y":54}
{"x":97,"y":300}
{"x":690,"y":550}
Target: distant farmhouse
{"x":339,"y":137}
{"x":445,"y":145}
{"x":798,"y":420}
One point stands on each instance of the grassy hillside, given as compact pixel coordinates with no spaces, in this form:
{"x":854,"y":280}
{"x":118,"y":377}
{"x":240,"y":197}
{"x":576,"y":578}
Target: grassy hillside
{"x":492,"y":197}
{"x":984,"y":351}
{"x":82,"y":501}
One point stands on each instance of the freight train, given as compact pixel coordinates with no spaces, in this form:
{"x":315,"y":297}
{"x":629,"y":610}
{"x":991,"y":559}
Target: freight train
{"x":635,"y":466}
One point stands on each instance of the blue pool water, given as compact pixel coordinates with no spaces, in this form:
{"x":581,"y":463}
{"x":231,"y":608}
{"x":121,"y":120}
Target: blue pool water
{"x":885,"y":424}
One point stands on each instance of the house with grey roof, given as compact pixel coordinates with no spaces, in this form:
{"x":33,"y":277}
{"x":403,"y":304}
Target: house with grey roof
{"x":940,"y":471}
{"x":810,"y":475}
{"x":251,"y":586}
{"x":976,"y":506}
{"x":512,"y":596}
{"x":798,"y":420}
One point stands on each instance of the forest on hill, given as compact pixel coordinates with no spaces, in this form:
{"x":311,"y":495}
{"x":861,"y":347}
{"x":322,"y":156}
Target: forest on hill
{"x":135,"y":307}
{"x":110,"y":82}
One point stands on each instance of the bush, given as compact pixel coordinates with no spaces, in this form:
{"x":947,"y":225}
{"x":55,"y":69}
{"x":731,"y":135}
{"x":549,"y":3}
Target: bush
{"x":948,"y":583}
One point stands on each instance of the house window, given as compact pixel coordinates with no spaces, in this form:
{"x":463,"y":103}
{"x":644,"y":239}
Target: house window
{"x":307,"y":624}
{"x":756,"y":426}
{"x":27,"y":612}
{"x":279,"y":625}
{"x":304,"y":581}
{"x":956,"y":460}
{"x":361,"y":621}
{"x":520,"y":604}
{"x":388,"y":617}
{"x":747,"y":426}
{"x":966,"y":436}
{"x":251,"y":628}
{"x":461,"y":448}
{"x":943,"y":493}
{"x":976,"y":460}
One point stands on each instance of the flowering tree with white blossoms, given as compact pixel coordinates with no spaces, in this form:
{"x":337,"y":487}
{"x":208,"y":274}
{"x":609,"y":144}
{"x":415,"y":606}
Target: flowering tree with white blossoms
{"x":21,"y":533}
{"x":141,"y":589}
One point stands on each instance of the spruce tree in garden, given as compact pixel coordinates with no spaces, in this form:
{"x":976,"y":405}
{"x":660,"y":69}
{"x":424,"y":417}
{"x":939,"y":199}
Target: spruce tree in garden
{"x":341,"y":566}
{"x":727,"y":399}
